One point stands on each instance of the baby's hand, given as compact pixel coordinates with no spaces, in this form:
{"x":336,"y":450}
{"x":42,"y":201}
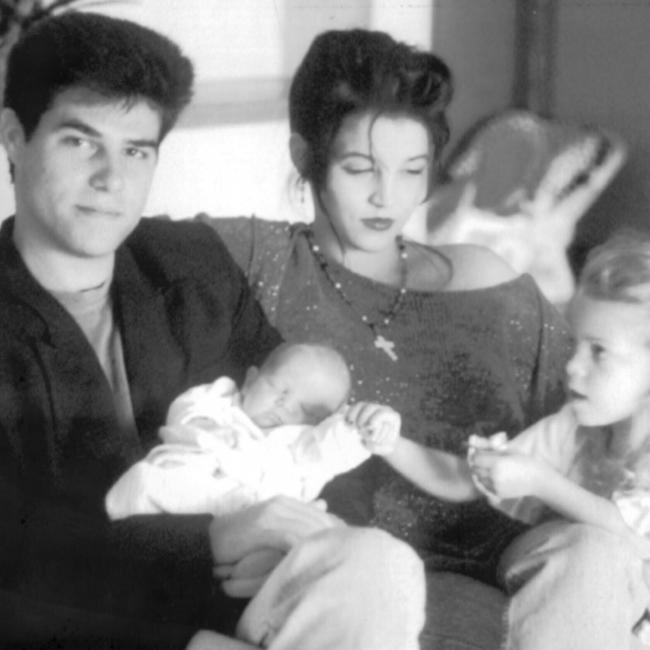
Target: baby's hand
{"x":378,"y":425}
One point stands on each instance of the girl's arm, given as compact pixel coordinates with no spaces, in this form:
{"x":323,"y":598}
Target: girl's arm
{"x":512,"y":475}
{"x":439,"y":473}
{"x":577,"y":504}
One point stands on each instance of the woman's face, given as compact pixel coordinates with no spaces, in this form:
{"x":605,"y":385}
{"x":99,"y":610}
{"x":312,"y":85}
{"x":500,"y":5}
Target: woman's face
{"x":377,"y":176}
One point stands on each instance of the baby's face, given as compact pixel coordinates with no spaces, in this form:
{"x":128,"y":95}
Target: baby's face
{"x":290,"y":394}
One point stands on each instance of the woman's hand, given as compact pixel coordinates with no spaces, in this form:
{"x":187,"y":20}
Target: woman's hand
{"x":244,"y":578}
{"x":279,"y":523}
{"x":379,"y":426}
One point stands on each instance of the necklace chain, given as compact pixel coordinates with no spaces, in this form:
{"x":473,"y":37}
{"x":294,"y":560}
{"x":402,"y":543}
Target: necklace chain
{"x":381,"y":343}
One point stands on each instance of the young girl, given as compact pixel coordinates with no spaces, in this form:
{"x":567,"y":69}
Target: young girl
{"x":590,"y":461}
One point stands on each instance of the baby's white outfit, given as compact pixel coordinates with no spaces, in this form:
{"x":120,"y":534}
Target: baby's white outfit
{"x":215,"y":459}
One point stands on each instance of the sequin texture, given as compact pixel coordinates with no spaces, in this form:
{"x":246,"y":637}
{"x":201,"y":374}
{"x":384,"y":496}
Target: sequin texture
{"x":476,"y":361}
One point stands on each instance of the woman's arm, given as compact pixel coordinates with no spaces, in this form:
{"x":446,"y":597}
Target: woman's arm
{"x":443,"y":475}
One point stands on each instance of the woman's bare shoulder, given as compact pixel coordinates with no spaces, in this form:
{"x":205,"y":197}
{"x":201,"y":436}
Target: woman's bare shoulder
{"x":471,"y":266}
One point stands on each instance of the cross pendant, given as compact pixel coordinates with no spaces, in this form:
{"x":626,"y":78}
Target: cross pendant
{"x":386,"y":346}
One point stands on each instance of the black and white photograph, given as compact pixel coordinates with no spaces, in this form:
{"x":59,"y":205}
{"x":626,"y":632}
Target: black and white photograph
{"x":324,"y":324}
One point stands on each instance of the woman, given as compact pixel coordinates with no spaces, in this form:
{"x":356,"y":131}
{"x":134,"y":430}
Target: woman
{"x":448,"y":336}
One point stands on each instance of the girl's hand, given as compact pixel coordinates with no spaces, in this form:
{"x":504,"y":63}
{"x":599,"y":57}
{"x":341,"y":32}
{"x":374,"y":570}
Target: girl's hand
{"x":505,"y":474}
{"x":378,"y":425}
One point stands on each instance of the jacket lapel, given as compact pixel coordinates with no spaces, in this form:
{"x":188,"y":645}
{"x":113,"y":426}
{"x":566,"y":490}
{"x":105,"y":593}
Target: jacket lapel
{"x":74,"y":399}
{"x":154,"y":361}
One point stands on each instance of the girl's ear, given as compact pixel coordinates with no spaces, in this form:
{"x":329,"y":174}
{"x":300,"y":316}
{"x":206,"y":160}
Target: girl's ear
{"x":299,"y":151}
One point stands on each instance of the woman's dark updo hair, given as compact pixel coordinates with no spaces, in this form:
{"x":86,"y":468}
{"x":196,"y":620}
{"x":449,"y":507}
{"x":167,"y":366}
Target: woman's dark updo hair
{"x":356,"y":71}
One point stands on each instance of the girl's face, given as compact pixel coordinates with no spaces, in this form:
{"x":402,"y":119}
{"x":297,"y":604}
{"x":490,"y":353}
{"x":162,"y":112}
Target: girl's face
{"x":609,"y":373}
{"x":377,"y":176}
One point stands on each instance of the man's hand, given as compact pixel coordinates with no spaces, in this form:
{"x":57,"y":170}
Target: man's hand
{"x":379,"y":426}
{"x":279,"y":523}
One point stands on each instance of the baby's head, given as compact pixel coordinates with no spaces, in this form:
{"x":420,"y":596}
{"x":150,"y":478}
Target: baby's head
{"x":609,"y":373}
{"x":300,"y":383}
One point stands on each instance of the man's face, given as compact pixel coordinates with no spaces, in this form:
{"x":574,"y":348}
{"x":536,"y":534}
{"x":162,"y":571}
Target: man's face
{"x":83,"y":176}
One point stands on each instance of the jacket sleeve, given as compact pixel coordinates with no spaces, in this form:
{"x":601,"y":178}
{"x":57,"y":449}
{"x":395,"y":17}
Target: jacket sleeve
{"x":68,"y":576}
{"x":72,"y":577}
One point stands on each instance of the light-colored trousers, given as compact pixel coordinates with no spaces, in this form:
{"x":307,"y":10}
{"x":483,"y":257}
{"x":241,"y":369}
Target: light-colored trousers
{"x":569,"y":587}
{"x":345,"y":589}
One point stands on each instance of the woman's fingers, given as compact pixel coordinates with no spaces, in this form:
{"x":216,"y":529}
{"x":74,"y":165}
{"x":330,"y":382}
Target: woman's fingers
{"x":277,"y":523}
{"x":257,"y":564}
{"x":244,"y":587}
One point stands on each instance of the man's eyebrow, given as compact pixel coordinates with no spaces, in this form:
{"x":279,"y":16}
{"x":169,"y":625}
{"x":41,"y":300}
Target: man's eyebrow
{"x":144,"y":143}
{"x":86,"y":129}
{"x":78,"y":125}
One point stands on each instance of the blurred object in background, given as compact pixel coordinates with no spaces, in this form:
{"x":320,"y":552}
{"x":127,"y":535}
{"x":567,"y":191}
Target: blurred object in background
{"x":518,"y":184}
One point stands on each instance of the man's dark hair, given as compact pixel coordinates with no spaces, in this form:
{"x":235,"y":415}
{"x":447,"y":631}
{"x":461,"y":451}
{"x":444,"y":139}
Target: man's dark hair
{"x":115,"y":58}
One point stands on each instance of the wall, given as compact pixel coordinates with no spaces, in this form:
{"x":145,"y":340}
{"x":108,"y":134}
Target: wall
{"x":476,"y":39}
{"x":603,"y":77}
{"x":229,"y":153}
{"x":602,"y":62}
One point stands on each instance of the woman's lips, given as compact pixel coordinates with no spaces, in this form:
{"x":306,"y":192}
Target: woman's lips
{"x":378,"y":223}
{"x":92,"y":211}
{"x":575,"y":395}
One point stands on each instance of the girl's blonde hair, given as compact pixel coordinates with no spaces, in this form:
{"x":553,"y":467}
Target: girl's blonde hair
{"x":619,"y":269}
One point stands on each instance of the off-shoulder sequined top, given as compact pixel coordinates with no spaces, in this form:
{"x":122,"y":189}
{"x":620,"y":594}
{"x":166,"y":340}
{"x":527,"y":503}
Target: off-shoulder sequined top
{"x":476,"y":361}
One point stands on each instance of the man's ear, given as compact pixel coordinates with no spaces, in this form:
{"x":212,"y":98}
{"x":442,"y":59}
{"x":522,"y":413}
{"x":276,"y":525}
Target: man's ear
{"x":299,"y":151}
{"x":12,"y":134}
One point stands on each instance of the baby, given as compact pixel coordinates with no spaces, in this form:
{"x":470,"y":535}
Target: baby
{"x":287,"y":431}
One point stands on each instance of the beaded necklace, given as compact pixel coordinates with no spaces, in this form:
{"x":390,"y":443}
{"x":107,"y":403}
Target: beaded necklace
{"x":381,"y":343}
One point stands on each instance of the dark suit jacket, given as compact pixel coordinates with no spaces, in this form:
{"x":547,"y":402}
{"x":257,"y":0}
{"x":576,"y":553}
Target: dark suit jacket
{"x":67,"y":574}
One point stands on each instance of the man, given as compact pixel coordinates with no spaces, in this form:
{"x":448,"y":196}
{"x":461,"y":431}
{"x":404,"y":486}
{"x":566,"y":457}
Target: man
{"x":103,"y":320}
